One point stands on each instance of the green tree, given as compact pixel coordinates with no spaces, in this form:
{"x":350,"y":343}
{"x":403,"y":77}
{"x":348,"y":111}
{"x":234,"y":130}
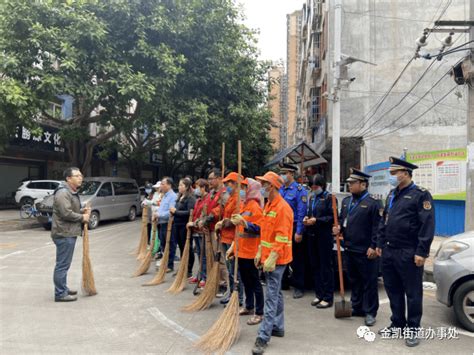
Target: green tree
{"x":189,"y":67}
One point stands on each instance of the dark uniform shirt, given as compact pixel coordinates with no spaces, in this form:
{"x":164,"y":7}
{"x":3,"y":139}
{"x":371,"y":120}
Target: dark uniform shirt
{"x":320,"y":206}
{"x":359,"y":220}
{"x":297,"y":198}
{"x":408,"y":220}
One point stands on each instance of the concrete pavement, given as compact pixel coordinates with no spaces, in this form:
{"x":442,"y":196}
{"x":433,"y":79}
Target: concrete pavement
{"x":10,"y":220}
{"x":128,"y":318}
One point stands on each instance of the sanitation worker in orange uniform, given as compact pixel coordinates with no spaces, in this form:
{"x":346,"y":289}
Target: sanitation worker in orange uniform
{"x":274,"y":254}
{"x":248,"y":242}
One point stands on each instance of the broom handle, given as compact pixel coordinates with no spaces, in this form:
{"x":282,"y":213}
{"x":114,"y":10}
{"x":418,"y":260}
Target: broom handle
{"x":223,"y":160}
{"x":168,"y":229}
{"x":338,"y":244}
{"x":190,"y":219}
{"x":236,"y":238}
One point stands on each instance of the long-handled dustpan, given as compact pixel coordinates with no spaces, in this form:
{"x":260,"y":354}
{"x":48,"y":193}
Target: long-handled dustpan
{"x":343,"y":308}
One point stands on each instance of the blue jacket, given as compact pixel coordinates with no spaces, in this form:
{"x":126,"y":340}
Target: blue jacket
{"x":297,"y":197}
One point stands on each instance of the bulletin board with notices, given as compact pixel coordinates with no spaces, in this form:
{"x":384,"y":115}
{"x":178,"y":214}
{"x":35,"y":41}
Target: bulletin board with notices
{"x":442,"y":172}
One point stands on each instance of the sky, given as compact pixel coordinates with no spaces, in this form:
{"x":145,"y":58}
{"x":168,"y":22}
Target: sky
{"x":269,"y":16}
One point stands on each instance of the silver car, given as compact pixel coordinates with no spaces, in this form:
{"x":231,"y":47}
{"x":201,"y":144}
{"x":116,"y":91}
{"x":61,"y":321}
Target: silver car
{"x":453,"y":272}
{"x":109,"y":197}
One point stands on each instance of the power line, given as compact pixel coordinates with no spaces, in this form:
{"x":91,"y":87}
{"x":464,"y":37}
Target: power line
{"x":361,"y":131}
{"x":358,"y":129}
{"x":416,"y":118}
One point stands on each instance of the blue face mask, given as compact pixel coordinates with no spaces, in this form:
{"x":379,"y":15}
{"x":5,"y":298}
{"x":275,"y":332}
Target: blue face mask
{"x":148,"y":191}
{"x":242,"y":194}
{"x":284,"y":177}
{"x":197,"y":192}
{"x":229,"y":190}
{"x":265,"y":193}
{"x":394,"y":180}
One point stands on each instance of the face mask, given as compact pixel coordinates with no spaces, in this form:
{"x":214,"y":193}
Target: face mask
{"x":394,"y":180}
{"x":265,"y":193}
{"x":317,"y":191}
{"x":242,"y":194}
{"x":284,"y":177}
{"x":148,"y":191}
{"x":197,"y":192}
{"x":229,"y":190}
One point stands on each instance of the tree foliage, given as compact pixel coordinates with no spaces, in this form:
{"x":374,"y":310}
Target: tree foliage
{"x":174,"y":76}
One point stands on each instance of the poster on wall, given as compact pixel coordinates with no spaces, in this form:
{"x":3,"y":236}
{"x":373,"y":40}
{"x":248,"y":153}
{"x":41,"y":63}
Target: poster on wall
{"x":379,"y":185}
{"x":442,"y":172}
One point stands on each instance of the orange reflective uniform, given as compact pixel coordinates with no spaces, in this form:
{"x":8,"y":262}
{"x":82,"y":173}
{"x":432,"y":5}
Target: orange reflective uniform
{"x":276,"y":229}
{"x":248,"y":242}
{"x":230,"y":208}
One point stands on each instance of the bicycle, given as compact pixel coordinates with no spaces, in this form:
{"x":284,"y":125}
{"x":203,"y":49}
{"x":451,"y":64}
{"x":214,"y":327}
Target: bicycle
{"x":27,"y":211}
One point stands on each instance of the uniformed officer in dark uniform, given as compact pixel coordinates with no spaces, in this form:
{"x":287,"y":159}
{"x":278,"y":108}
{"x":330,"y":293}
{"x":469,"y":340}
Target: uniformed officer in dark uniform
{"x":359,"y":222}
{"x":318,"y":227}
{"x":297,"y":197}
{"x":404,"y":239}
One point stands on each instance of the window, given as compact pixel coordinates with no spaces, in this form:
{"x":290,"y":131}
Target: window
{"x":53,"y":185}
{"x":125,"y":188}
{"x":89,"y":188}
{"x":40,"y":185}
{"x":105,"y":190}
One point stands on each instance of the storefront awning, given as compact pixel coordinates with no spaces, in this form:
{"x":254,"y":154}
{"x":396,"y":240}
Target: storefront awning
{"x":300,"y":153}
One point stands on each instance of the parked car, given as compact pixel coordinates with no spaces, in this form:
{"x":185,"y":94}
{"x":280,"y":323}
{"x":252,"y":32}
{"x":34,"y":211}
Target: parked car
{"x":32,"y":190}
{"x":453,"y":272}
{"x":109,"y":197}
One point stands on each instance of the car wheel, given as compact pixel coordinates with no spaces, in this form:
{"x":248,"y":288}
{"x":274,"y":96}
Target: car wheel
{"x":94,"y":220}
{"x":132,"y":214}
{"x":47,"y":226}
{"x":463,"y":304}
{"x":26,"y":201}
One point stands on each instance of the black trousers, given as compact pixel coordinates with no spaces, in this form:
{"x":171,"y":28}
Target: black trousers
{"x":252,"y":286}
{"x":180,"y":231}
{"x":362,"y":274}
{"x":298,"y":263}
{"x":148,"y":228}
{"x":320,"y":254}
{"x":403,"y":281}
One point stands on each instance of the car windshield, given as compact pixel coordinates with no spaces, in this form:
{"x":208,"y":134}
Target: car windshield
{"x":89,"y":188}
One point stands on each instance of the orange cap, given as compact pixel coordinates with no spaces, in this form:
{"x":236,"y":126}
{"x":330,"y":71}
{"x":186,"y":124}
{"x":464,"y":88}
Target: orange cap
{"x":272,"y":178}
{"x":233,"y":176}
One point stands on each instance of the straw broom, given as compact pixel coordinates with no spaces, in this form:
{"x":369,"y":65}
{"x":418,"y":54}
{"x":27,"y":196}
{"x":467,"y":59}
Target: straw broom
{"x":145,"y":265}
{"x":225,"y":331}
{"x":206,"y":297}
{"x":88,"y":282}
{"x":161,"y":273}
{"x":141,"y":249}
{"x":181,"y":279}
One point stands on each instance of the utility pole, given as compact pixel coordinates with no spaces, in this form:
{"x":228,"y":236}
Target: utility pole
{"x":336,"y":106}
{"x":469,"y":219}
{"x":464,"y":27}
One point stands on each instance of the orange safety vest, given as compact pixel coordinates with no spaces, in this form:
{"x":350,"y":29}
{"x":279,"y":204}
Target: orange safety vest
{"x":276,"y":229}
{"x":247,"y":243}
{"x":230,"y":208}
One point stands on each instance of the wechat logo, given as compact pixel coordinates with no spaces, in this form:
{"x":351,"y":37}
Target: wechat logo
{"x":365,"y":332}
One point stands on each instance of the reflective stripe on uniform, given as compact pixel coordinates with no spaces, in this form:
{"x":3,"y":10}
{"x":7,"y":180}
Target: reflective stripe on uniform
{"x":266,"y":244}
{"x":282,"y":239}
{"x":272,"y":214}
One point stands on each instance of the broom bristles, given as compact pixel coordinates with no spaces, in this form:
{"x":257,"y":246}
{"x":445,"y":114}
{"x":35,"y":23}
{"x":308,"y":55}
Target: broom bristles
{"x":182,"y":276}
{"x":88,"y":282}
{"x":225,"y":331}
{"x":161,"y":273}
{"x":206,"y":297}
{"x":145,"y":265}
{"x":140,"y":253}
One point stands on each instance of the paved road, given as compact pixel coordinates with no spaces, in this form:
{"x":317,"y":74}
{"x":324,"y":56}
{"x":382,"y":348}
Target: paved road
{"x":128,"y":318}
